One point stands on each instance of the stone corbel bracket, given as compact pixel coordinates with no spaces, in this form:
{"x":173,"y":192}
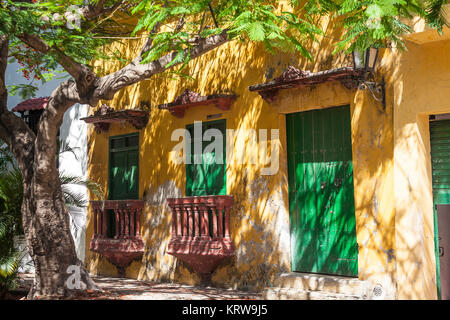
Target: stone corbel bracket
{"x":293,"y":78}
{"x":190,"y":99}
{"x":104,"y":116}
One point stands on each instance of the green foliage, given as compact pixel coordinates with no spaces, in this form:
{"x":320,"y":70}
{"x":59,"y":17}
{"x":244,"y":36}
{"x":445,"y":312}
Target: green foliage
{"x":9,"y":265}
{"x":376,"y":22}
{"x":10,"y":221}
{"x":25,"y":91}
{"x":10,"y":257}
{"x":182,"y":22}
{"x":6,"y":157}
{"x":11,"y":195}
{"x":78,"y":199}
{"x":434,"y":14}
{"x":11,"y":188}
{"x":47,"y":20}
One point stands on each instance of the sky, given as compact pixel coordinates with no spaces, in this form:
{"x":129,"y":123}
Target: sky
{"x":14,"y":76}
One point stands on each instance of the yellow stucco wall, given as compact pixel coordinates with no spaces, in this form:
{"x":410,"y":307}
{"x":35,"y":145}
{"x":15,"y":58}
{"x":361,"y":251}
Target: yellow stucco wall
{"x":422,"y":88}
{"x":392,"y":175}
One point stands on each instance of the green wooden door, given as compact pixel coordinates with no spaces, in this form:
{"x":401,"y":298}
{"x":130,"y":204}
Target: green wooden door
{"x":209,"y":176}
{"x":321,"y":199}
{"x":440,"y":165}
{"x":124,"y":167}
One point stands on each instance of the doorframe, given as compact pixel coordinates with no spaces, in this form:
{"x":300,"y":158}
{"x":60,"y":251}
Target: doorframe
{"x":436,"y":251}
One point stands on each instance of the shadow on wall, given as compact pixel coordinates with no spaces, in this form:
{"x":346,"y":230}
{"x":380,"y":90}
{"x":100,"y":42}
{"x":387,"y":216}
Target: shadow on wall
{"x":374,"y":193}
{"x":260,"y":216}
{"x":423,"y":69}
{"x":259,"y":224}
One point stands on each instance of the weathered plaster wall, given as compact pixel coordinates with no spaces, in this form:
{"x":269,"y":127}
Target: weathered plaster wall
{"x":422,"y":87}
{"x":260,"y":210}
{"x":260,"y":216}
{"x":392,"y":174}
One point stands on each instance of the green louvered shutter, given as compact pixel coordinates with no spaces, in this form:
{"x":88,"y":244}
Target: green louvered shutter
{"x":440,"y":160}
{"x":440,"y":166}
{"x":208,"y":177}
{"x":124,"y":167}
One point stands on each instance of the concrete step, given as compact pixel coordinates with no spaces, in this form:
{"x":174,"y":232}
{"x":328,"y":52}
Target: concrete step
{"x":315,"y":286}
{"x":275,"y":293}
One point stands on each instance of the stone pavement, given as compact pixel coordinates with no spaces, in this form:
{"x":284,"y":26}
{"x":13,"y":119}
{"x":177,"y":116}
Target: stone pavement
{"x":131,"y":289}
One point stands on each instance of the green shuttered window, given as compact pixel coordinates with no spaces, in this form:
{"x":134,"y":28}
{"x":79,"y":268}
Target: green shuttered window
{"x":440,"y":160}
{"x":124,"y":167}
{"x":440,"y":167}
{"x":209,"y":176}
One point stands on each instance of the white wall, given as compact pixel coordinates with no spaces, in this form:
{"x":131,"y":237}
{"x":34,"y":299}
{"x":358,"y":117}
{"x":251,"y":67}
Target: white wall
{"x":74,"y":133}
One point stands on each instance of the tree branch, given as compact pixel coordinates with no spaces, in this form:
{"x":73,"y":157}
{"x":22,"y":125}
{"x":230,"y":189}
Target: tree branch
{"x":180,"y":24}
{"x":13,"y":130}
{"x":212,"y":14}
{"x":90,"y":12}
{"x":83,"y":76}
{"x":202,"y":23}
{"x":148,"y":44}
{"x":76,"y":70}
{"x":134,"y":72}
{"x":35,"y":42}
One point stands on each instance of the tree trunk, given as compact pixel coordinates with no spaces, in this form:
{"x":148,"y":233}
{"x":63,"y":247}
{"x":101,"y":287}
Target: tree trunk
{"x":58,"y":271}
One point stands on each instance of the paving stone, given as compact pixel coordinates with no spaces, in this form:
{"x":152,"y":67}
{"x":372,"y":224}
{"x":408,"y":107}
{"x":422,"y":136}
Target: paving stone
{"x":131,"y":289}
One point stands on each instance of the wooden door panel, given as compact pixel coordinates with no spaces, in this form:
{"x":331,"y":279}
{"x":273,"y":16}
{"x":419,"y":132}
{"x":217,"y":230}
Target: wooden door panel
{"x":321,"y":199}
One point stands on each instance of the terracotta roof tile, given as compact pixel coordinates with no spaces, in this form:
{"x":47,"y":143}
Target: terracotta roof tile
{"x":31,"y":104}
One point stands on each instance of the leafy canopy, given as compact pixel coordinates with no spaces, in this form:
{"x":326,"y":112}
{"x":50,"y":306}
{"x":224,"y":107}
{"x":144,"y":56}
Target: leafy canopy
{"x":71,"y":28}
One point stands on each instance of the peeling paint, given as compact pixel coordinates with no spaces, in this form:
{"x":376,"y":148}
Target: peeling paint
{"x":392,"y":179}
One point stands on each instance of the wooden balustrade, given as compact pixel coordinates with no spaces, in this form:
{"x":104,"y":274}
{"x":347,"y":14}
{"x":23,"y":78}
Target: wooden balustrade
{"x":201,"y":217}
{"x":124,"y":243}
{"x":200,"y":234}
{"x":127,"y":215}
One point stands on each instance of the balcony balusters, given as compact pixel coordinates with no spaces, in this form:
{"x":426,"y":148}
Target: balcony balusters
{"x":126,"y":243}
{"x":200,"y":234}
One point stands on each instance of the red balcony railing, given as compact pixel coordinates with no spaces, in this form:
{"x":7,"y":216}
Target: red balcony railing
{"x":117,"y":231}
{"x":201,"y":232}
